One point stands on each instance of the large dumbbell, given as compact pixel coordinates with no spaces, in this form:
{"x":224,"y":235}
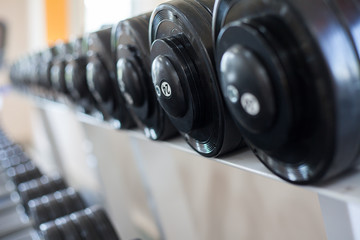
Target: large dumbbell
{"x":289,"y":73}
{"x":54,"y":205}
{"x":100,"y":76}
{"x":91,"y":224}
{"x":131,"y":48}
{"x":184,"y":76}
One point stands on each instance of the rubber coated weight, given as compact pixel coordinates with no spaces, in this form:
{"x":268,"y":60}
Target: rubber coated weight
{"x":57,"y":71}
{"x":131,"y":48}
{"x":49,"y":231}
{"x":59,"y":197}
{"x":13,"y":150}
{"x":13,"y":161}
{"x":56,"y":183}
{"x":45,"y":63}
{"x":31,"y":171}
{"x":57,"y":74}
{"x":50,"y":204}
{"x":98,"y":223}
{"x":299,"y":112}
{"x":83,"y":226}
{"x":23,"y":172}
{"x":12,"y":156}
{"x":75,"y":77}
{"x":184,"y":76}
{"x":102,"y":222}
{"x":100,"y":77}
{"x":67,"y":228}
{"x":39,"y":187}
{"x":37,"y":212}
{"x":72,"y":200}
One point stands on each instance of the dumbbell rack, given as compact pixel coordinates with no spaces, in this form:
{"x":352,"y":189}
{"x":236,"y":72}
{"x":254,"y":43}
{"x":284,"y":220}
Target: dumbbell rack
{"x":34,"y":206}
{"x":339,"y":198}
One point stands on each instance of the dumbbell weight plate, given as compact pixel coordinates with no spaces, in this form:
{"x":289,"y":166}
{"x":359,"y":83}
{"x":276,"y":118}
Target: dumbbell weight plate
{"x":102,"y":222}
{"x":38,"y":212}
{"x":311,"y":135}
{"x":50,"y":203}
{"x":98,"y":223}
{"x":72,"y":200}
{"x":39,"y":187}
{"x":49,"y":231}
{"x":83,"y":226}
{"x":32,"y":171}
{"x":59,"y":196}
{"x":23,"y":172}
{"x":100,"y":77}
{"x":67,"y":228}
{"x":184,"y":76}
{"x":131,"y":47}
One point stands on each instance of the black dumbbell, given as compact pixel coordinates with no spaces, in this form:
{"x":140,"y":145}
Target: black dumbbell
{"x":50,"y":231}
{"x":102,"y":222}
{"x":12,"y":156}
{"x":39,"y":187}
{"x":23,"y":172}
{"x":288,"y":74}
{"x":85,"y":226}
{"x":45,"y":65}
{"x":184,"y":76}
{"x":131,"y":48}
{"x":100,"y":76}
{"x":75,"y":77}
{"x":10,"y":150}
{"x":57,"y":71}
{"x":54,"y":205}
{"x":90,"y":223}
{"x":67,"y":228}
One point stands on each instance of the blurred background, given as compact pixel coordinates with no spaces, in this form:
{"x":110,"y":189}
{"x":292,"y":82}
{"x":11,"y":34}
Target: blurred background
{"x":150,"y":190}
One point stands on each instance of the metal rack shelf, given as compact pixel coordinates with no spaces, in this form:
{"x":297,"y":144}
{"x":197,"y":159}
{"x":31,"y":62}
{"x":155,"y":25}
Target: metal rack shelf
{"x":339,"y":198}
{"x":344,"y":188}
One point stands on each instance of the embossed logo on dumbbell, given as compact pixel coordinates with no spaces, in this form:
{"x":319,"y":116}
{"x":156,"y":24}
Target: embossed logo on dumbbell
{"x":166,"y":89}
{"x":250,"y":104}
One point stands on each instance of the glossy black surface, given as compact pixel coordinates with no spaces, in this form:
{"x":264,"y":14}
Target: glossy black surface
{"x":101,"y":80}
{"x":131,"y":47}
{"x":303,"y":131}
{"x":184,"y":76}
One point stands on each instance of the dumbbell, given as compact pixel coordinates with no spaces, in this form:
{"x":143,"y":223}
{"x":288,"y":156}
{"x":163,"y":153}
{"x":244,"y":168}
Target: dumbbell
{"x":131,"y":48}
{"x":23,"y":172}
{"x":15,"y":73}
{"x":75,"y":77}
{"x":11,"y":156}
{"x":100,"y":76}
{"x":289,"y":73}
{"x":45,"y":65}
{"x":39,"y":187}
{"x":184,"y":76}
{"x":57,"y":71}
{"x":35,"y":74}
{"x":54,"y":205}
{"x":91,"y":224}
